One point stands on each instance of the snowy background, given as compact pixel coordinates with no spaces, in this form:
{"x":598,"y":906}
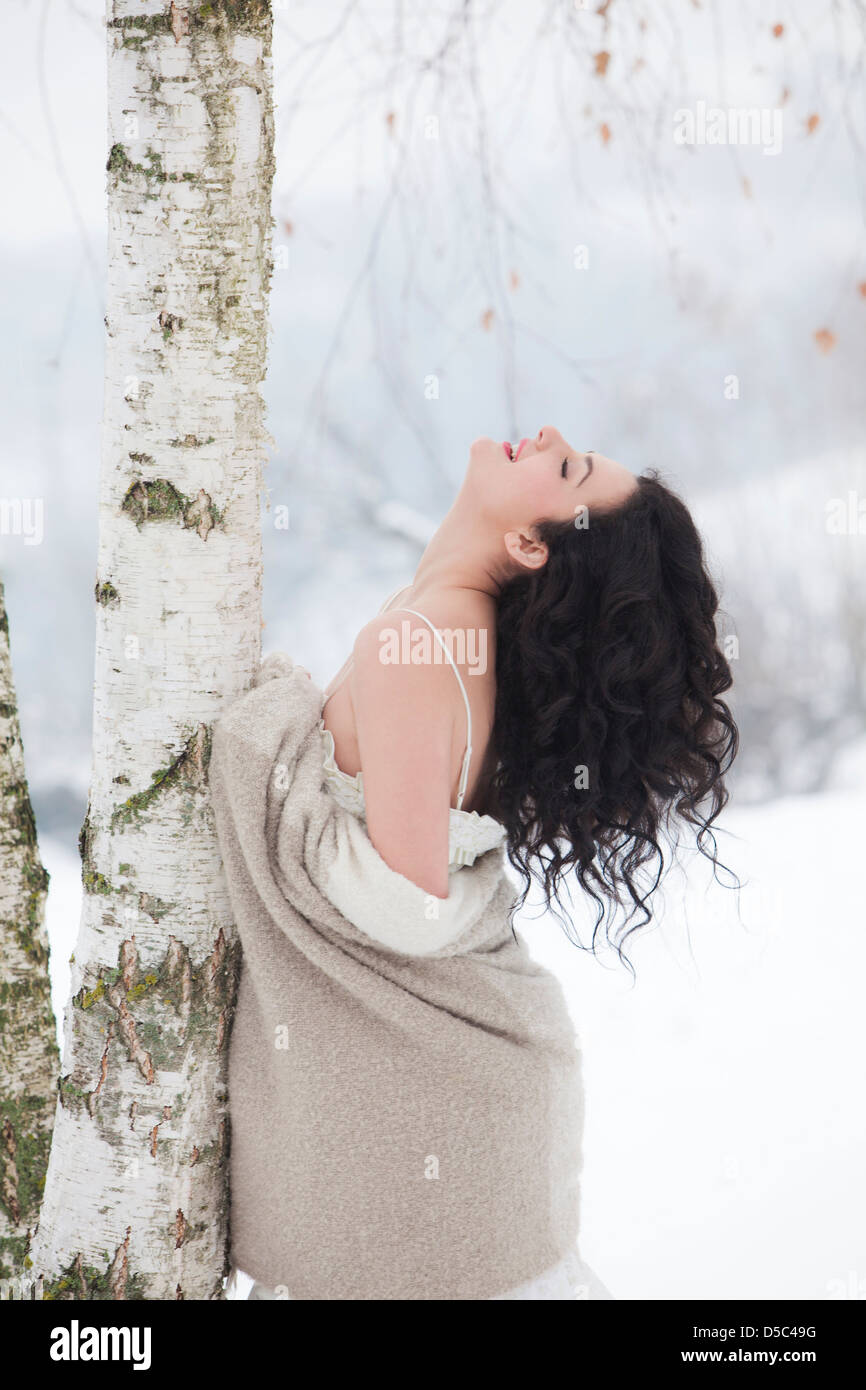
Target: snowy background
{"x":434,"y":179}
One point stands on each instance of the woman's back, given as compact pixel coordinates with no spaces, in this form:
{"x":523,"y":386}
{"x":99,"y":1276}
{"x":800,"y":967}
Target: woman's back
{"x":467,"y":627}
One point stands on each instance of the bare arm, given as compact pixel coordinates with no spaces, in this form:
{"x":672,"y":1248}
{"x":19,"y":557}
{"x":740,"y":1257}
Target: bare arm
{"x":404,"y":716}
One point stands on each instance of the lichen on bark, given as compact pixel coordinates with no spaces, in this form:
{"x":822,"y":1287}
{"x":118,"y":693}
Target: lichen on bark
{"x":155,"y":1013}
{"x":28,"y":1048}
{"x":157,"y":499}
{"x":82,"y":1281}
{"x":186,"y":773}
{"x":106,"y":593}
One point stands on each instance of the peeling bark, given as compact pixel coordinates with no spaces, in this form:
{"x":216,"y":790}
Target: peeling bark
{"x":28,"y":1047}
{"x":136,"y":1194}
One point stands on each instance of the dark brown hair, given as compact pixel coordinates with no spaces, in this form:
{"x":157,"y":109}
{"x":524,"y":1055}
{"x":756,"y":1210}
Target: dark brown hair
{"x":609,"y":726}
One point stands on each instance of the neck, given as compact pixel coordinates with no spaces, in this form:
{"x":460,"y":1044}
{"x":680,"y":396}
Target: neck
{"x":459,"y":556}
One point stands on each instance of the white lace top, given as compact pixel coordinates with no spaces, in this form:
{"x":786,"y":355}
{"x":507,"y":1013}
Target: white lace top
{"x":470,"y":834}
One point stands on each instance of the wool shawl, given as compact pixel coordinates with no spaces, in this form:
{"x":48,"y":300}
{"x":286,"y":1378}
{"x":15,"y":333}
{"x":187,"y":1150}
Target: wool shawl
{"x":405,"y":1089}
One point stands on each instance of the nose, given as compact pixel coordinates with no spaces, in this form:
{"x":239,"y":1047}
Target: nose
{"x":545,"y":437}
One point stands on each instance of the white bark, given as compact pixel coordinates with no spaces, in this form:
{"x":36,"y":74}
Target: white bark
{"x":135,"y":1202}
{"x":28,"y":1044}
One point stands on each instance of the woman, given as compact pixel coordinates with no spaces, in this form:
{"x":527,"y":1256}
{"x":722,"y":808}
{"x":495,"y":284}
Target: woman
{"x":549,"y":684}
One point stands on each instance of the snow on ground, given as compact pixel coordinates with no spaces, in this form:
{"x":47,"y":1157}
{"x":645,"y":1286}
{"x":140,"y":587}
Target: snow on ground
{"x":724,"y":1144}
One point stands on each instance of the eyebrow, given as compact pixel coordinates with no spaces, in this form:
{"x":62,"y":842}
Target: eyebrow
{"x":588,"y":468}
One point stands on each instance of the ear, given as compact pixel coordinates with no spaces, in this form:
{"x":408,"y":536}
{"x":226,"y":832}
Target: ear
{"x":525,"y":549}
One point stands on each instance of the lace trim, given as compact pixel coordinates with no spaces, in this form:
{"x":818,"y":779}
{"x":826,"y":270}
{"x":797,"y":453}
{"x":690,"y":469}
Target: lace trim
{"x":469,"y":834}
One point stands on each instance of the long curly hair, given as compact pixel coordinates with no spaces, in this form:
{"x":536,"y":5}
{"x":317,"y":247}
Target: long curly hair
{"x":609,"y":729}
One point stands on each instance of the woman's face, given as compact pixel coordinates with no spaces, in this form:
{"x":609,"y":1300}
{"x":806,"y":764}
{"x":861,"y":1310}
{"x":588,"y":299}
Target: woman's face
{"x":547,"y":480}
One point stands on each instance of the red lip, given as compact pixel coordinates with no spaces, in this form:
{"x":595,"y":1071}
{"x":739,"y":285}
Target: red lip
{"x":507,"y":447}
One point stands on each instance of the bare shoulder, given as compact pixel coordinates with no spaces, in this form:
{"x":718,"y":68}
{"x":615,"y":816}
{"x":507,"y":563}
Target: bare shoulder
{"x":391,"y":660}
{"x":398,"y":661}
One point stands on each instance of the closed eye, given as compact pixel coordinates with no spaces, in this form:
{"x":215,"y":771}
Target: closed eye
{"x":588,"y":457}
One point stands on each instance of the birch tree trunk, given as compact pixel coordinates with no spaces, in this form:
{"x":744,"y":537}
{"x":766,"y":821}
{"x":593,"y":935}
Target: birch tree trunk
{"x":136,"y":1195}
{"x":28,"y":1043}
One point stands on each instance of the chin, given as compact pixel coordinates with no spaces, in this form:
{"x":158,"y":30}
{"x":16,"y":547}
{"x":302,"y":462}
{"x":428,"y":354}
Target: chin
{"x":484,"y":447}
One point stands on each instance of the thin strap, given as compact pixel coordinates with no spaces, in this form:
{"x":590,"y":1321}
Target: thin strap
{"x":467,"y":756}
{"x":464,"y":771}
{"x":402,"y":590}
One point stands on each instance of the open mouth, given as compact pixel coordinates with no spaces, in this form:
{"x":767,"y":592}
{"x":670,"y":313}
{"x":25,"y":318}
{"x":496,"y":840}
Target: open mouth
{"x":512,"y":453}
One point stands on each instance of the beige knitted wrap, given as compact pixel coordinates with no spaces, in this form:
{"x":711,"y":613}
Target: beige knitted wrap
{"x":405,"y":1082}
